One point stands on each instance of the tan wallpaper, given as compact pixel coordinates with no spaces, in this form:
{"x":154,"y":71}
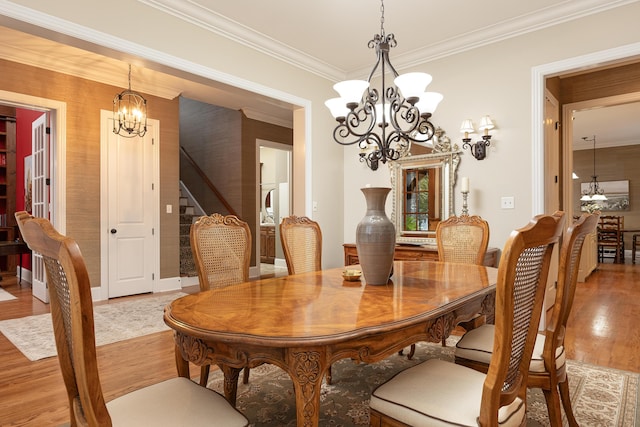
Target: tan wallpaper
{"x":84,"y":101}
{"x":612,"y":164}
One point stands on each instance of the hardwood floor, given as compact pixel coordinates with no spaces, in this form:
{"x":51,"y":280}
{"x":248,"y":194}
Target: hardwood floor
{"x":600,"y":332}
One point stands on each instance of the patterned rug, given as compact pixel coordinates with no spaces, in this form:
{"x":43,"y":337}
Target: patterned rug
{"x":115,"y":321}
{"x":602,"y":397}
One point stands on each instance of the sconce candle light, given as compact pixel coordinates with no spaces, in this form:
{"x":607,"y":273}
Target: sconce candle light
{"x":479,"y":148}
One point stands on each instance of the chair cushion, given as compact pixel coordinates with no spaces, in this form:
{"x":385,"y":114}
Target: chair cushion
{"x":439,"y":393}
{"x":175,"y":402}
{"x":477,"y":345}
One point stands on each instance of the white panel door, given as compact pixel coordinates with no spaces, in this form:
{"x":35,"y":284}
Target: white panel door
{"x":39,"y":198}
{"x":130,"y":213}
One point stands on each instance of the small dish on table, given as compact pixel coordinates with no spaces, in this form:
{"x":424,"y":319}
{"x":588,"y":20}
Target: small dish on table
{"x":351,"y":275}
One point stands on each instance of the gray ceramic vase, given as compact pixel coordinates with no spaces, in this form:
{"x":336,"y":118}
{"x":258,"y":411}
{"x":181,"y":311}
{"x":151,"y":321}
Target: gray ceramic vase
{"x":376,"y":238}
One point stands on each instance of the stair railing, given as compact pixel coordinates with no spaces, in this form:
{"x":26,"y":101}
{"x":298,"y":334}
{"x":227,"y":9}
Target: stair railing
{"x":207,"y":181}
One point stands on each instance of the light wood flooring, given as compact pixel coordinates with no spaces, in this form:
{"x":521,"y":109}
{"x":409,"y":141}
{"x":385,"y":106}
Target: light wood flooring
{"x":602,"y":331}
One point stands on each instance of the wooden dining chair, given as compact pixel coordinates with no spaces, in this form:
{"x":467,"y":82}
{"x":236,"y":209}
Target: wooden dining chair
{"x":178,"y":401}
{"x":463,"y":239}
{"x":610,"y":236}
{"x":221,"y":247}
{"x":301,"y":240}
{"x":548,"y":368}
{"x":436,"y":392}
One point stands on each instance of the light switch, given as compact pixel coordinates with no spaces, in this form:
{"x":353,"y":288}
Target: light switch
{"x":169,"y":208}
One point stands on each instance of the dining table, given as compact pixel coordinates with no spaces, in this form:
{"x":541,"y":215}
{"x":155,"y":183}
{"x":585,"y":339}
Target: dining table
{"x":305,"y":322}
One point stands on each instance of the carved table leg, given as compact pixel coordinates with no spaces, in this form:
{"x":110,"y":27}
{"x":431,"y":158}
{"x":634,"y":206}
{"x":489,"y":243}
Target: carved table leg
{"x":306,"y":370}
{"x":230,"y":382}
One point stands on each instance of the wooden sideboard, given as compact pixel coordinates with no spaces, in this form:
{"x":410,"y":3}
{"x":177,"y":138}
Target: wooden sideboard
{"x":415,"y":253}
{"x":267,"y":244}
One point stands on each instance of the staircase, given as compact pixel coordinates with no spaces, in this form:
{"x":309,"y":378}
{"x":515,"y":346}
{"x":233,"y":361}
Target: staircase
{"x":187,"y":213}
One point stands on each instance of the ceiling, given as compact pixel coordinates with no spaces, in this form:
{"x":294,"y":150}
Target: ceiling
{"x":326,"y":37}
{"x":614,"y":125}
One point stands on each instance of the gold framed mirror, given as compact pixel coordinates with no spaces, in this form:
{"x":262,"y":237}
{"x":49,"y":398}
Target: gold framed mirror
{"x":422,"y":190}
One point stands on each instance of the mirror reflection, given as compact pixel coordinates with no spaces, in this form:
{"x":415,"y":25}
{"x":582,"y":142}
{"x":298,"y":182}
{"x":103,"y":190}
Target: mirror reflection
{"x":422,"y":189}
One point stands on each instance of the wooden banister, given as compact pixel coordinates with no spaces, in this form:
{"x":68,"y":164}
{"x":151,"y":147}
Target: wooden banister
{"x":207,"y":181}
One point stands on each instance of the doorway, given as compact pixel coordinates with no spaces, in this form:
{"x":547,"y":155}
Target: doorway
{"x":56,"y":211}
{"x":274,"y":190}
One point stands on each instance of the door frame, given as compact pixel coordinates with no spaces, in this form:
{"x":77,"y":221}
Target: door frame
{"x":538,"y":80}
{"x":58,"y":161}
{"x":103,"y":290}
{"x":567,"y":114}
{"x":279,"y":262}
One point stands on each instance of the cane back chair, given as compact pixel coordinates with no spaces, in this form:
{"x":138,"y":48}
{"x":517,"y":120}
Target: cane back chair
{"x":221,"y":247}
{"x":442,"y":393}
{"x":178,"y":401}
{"x":301,"y":240}
{"x":548,"y":368}
{"x":463,"y":239}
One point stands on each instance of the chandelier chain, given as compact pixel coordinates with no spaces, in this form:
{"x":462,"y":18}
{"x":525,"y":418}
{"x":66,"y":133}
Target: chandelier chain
{"x":382,"y":18}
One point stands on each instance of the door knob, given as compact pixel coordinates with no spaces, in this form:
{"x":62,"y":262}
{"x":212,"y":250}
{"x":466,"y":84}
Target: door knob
{"x":114,"y":231}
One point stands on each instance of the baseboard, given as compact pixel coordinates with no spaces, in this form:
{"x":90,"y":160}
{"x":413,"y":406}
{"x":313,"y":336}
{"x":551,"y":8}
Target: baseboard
{"x":26,"y":275}
{"x":188,"y":281}
{"x":169,"y":284}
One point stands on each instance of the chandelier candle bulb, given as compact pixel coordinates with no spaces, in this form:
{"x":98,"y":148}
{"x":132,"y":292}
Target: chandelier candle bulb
{"x":465,"y":184}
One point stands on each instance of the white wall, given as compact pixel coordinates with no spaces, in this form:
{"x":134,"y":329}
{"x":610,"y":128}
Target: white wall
{"x":497,"y":80}
{"x":493,"y":80}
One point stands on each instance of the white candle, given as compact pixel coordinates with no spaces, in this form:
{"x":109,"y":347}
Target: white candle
{"x":465,"y":184}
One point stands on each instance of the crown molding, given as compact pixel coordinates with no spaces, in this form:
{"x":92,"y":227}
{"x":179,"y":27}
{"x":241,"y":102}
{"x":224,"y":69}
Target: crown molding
{"x":219,"y":24}
{"x":504,"y":30}
{"x":223,"y":26}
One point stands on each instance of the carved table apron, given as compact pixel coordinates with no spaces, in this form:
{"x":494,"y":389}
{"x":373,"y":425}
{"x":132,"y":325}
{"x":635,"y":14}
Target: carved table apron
{"x":303,"y":323}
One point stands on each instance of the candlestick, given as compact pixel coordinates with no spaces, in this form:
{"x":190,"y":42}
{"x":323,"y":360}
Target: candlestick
{"x":465,"y":210}
{"x":465,"y":184}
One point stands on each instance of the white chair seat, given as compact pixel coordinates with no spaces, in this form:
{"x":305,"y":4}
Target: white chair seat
{"x":439,"y":393}
{"x":477,"y":345}
{"x":190,"y":405}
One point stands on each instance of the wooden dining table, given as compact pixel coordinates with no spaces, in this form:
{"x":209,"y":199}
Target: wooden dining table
{"x":303,"y":323}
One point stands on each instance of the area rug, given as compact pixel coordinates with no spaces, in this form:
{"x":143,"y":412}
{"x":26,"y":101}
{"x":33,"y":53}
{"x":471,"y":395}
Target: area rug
{"x":116,"y":321}
{"x":5,"y":296}
{"x":601,"y":397}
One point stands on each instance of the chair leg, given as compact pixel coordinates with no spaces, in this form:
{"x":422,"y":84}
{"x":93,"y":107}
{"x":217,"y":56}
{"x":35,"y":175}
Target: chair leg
{"x":412,"y":351}
{"x":204,"y":375}
{"x":329,"y":376}
{"x":245,"y":376}
{"x":553,"y":406}
{"x":566,"y":402}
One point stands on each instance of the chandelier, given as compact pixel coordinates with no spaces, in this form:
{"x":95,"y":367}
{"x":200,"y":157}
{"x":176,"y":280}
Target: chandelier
{"x":384,"y":123}
{"x":594,"y":192}
{"x":129,"y":113}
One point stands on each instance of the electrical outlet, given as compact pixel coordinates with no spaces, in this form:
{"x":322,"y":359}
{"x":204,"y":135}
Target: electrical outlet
{"x":315,"y":206}
{"x":507,"y":202}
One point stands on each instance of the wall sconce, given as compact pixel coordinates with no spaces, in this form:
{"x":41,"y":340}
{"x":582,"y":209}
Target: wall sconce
{"x":479,"y":148}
